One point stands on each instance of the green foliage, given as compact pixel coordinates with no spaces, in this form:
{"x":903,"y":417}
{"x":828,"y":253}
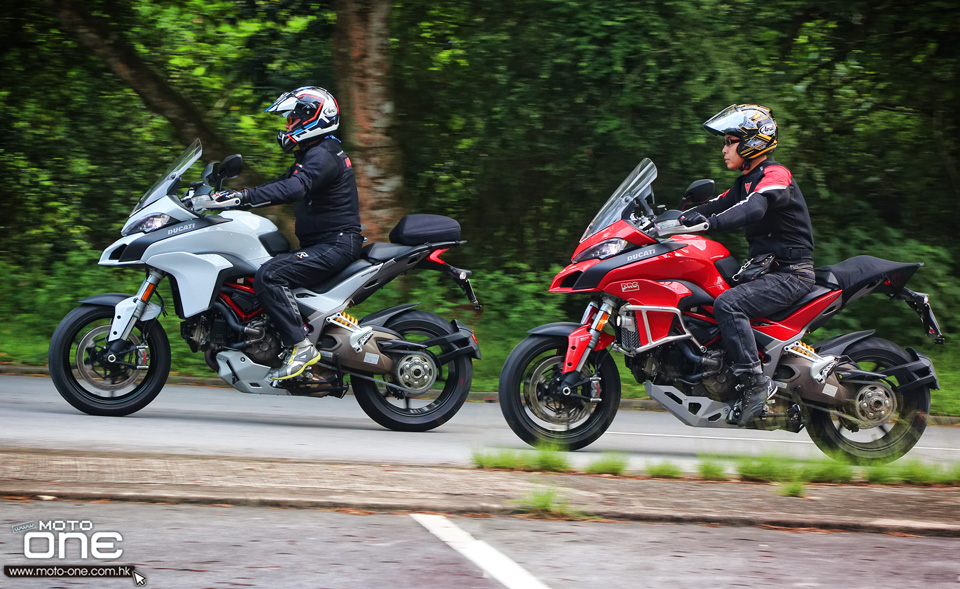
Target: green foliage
{"x":793,"y":489}
{"x":881,"y":475}
{"x":547,"y":502}
{"x":549,"y":458}
{"x":711,"y":470}
{"x":664,"y":470}
{"x":767,"y":468}
{"x":826,"y":471}
{"x":518,"y":120}
{"x":915,"y":472}
{"x":502,"y":459}
{"x":614,"y":463}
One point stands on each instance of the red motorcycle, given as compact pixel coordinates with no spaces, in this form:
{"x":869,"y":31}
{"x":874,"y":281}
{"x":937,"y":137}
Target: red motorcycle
{"x":653,"y":282}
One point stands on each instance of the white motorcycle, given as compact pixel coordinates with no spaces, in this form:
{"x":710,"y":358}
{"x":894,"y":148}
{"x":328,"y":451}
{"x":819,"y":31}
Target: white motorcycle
{"x":410,"y":370}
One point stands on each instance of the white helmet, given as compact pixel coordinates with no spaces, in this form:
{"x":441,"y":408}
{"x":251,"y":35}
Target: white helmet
{"x":310,"y":111}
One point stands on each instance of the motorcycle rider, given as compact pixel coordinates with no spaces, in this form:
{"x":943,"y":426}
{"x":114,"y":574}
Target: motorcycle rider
{"x":766,"y":201}
{"x":322,"y":182}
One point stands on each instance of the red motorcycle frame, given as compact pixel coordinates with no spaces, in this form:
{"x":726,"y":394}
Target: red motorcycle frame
{"x":652,"y":284}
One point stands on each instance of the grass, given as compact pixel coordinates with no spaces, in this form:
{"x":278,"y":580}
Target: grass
{"x":914,"y":472}
{"x":793,"y":489}
{"x":544,"y":458}
{"x":951,"y":475}
{"x":547,"y":502}
{"x":609,"y":463}
{"x":550,"y":458}
{"x":712,"y":471}
{"x":826,"y":471}
{"x":767,"y":468}
{"x":880,"y":475}
{"x":664,"y":470}
{"x":503,"y":459}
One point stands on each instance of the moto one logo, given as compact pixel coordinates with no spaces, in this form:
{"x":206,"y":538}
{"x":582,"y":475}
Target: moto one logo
{"x":54,"y":537}
{"x":181,"y":229}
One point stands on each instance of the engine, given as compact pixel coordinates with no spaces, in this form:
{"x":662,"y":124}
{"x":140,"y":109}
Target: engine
{"x":702,"y":376}
{"x":210,"y":332}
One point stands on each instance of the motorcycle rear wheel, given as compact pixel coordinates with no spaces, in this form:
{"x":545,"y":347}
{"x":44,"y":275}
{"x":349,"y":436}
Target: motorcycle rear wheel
{"x":883,"y":443}
{"x":537,"y":413}
{"x":397,"y":411}
{"x":103,"y":389}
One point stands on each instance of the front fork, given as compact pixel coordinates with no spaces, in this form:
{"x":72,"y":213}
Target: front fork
{"x":585,"y":339}
{"x":128,"y":311}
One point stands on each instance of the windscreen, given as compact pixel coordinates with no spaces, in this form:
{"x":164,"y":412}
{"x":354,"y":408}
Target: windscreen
{"x":173,"y":173}
{"x":634,"y":185}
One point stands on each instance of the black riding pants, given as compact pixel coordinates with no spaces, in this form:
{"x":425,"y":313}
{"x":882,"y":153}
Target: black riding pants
{"x":303,"y":267}
{"x":764,"y":296}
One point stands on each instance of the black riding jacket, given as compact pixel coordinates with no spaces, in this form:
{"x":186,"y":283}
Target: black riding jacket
{"x":769,"y":206}
{"x":322,"y":182}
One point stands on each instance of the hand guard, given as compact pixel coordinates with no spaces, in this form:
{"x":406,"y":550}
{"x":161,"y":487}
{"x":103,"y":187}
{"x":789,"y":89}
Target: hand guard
{"x":225,"y":199}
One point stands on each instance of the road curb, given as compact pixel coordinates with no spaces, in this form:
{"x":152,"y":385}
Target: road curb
{"x":210,"y":480}
{"x":478,"y":397}
{"x":454,"y":507}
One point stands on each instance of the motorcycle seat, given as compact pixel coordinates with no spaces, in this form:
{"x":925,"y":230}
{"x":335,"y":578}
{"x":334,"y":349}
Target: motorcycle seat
{"x":381,"y":252}
{"x":325,"y":285}
{"x":817,"y":292}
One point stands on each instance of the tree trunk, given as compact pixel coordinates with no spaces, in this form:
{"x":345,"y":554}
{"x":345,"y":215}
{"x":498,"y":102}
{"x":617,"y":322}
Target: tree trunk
{"x":367,"y":111}
{"x":96,"y":34}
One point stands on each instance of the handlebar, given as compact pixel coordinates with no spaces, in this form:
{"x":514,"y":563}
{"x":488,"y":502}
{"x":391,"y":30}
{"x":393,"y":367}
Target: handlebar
{"x":676,"y":228}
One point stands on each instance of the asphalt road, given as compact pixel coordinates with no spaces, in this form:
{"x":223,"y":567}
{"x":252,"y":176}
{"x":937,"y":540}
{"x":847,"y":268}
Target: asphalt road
{"x":224,"y":546}
{"x":218,"y":546}
{"x":220,"y":421}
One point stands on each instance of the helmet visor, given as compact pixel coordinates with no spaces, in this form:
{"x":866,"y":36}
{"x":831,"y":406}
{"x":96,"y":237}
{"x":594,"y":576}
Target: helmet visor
{"x":729,"y":120}
{"x":283,"y":104}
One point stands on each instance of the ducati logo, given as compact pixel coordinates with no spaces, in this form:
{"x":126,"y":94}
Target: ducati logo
{"x":629,"y":286}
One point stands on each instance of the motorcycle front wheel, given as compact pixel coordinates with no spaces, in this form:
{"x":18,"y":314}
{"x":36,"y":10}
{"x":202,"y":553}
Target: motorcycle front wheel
{"x":444,"y":387}
{"x":535,"y":409}
{"x":901,"y":419}
{"x":97,"y":387}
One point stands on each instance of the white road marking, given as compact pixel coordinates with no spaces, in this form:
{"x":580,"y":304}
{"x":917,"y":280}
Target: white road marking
{"x":752,"y":440}
{"x":711,"y":438}
{"x":491,"y":561}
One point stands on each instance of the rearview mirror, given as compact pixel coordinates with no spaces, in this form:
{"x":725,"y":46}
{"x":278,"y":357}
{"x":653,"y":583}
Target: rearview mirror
{"x":231,"y":166}
{"x":700,"y":191}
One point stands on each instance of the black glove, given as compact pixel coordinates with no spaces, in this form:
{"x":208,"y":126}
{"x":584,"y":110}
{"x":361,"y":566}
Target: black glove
{"x":692,"y":218}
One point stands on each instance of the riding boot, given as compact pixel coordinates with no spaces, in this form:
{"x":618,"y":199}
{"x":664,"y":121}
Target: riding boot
{"x":296,"y":361}
{"x":756,"y":388}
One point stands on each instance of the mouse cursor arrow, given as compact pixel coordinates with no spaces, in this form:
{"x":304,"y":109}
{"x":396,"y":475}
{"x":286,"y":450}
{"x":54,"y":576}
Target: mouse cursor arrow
{"x":139,"y":579}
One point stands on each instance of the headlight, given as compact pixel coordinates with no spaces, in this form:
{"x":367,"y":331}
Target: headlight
{"x":148,"y":224}
{"x":604,"y":249}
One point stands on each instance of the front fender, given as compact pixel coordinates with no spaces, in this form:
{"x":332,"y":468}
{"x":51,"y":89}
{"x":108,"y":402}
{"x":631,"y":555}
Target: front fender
{"x":107,"y":299}
{"x":561,"y":328}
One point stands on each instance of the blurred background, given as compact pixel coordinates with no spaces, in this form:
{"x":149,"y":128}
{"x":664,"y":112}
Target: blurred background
{"x":516,"y":118}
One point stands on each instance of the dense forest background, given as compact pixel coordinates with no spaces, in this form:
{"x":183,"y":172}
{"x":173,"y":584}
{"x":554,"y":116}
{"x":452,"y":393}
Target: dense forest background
{"x":518,"y":119}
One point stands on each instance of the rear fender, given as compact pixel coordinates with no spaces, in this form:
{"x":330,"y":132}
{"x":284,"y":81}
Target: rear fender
{"x":919,"y":372}
{"x":379,"y":318}
{"x":836,"y":346}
